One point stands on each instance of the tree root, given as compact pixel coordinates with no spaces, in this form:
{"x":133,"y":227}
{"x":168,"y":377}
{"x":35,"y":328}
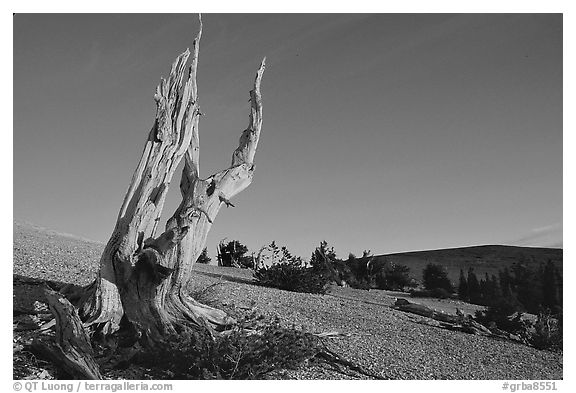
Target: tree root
{"x":73,"y":353}
{"x":180,"y":312}
{"x":100,"y":305}
{"x":200,"y":315}
{"x":71,"y":349}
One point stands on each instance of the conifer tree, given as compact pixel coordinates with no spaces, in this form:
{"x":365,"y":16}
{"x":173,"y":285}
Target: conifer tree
{"x":463,"y":287}
{"x":474,"y":293}
{"x":550,"y":298}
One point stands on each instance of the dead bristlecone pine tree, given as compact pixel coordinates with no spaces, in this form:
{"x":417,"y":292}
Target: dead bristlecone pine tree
{"x":144,"y":276}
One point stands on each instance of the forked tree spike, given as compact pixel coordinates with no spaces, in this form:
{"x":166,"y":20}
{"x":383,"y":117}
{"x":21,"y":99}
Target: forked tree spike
{"x":136,"y":280}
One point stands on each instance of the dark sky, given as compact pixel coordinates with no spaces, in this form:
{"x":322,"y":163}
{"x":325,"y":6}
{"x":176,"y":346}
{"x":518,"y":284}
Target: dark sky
{"x":386,"y":132}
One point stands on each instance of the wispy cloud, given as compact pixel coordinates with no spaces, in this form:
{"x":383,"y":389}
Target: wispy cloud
{"x":545,"y":236}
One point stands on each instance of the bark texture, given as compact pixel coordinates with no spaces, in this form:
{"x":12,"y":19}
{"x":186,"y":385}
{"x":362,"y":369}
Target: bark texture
{"x":71,"y":349}
{"x":144,"y":277}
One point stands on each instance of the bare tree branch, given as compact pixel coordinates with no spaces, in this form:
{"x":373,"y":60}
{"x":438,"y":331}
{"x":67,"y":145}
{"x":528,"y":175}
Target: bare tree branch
{"x":249,"y":138}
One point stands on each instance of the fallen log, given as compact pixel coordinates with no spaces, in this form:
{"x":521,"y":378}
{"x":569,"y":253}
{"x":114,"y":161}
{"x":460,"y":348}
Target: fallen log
{"x":458,"y":322}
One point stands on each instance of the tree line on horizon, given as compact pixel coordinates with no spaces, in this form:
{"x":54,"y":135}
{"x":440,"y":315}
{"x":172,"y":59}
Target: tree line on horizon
{"x":519,"y":288}
{"x":356,"y":272}
{"x":506,"y":295}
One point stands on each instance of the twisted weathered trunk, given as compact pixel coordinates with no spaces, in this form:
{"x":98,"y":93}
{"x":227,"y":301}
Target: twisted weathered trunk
{"x":70,"y":349}
{"x":144,"y":277}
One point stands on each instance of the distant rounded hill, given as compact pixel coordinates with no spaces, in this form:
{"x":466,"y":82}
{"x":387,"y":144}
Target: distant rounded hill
{"x":484,"y":259}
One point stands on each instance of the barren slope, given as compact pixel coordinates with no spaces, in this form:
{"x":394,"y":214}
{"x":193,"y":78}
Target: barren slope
{"x":484,"y":259}
{"x":384,"y":340}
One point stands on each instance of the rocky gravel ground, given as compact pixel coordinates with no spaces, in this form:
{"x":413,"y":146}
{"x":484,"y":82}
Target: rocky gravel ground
{"x":385,"y":341}
{"x":48,"y":255}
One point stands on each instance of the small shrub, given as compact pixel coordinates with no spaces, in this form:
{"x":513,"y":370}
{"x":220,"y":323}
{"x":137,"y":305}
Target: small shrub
{"x":355,"y":271}
{"x":394,"y":277}
{"x":356,"y":283}
{"x":505,"y":316}
{"x":317,"y":260}
{"x":547,"y":332}
{"x":232,"y":254}
{"x":435,"y":276}
{"x":289,"y":272}
{"x":441,"y":293}
{"x":292,"y":276}
{"x":204,"y":258}
{"x":244,"y":353}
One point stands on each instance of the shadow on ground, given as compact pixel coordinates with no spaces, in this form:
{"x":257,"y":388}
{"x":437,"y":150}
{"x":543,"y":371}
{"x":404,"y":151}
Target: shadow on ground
{"x":28,"y":290}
